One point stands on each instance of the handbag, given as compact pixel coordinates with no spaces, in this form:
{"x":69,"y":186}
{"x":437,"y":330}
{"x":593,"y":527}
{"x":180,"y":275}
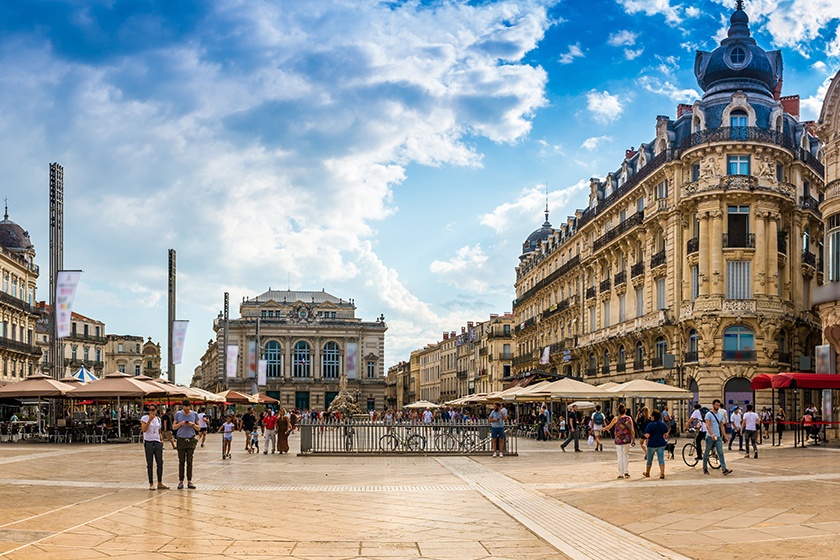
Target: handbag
{"x":591,"y":441}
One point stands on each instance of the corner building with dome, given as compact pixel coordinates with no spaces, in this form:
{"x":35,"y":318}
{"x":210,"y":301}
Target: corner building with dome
{"x":694,"y":261}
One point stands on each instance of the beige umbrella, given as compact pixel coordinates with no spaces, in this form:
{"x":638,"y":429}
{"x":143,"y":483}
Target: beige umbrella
{"x":512,"y":393}
{"x":235,"y":397}
{"x":607,"y":386}
{"x":206,"y":396}
{"x":643,"y":389}
{"x":36,"y":385}
{"x":422,"y":404}
{"x":259,"y":398}
{"x":566,"y":388}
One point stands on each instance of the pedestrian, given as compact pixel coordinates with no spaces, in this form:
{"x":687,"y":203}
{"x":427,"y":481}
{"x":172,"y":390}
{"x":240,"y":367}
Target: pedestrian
{"x":766,"y":420}
{"x":642,"y":419}
{"x":547,"y":426}
{"x":255,"y":441}
{"x":781,"y":418}
{"x":497,"y":429}
{"x":541,"y":420}
{"x":597,"y":426}
{"x":269,"y":423}
{"x":293,"y":420}
{"x":623,"y":437}
{"x":715,"y":436}
{"x":227,"y":436}
{"x":735,"y":420}
{"x":283,"y":429}
{"x":571,"y":429}
{"x":656,"y":434}
{"x":186,"y":427}
{"x":750,"y":425}
{"x":152,"y":444}
{"x":166,"y":426}
{"x":697,"y":425}
{"x":248,"y":423}
{"x":202,"y":423}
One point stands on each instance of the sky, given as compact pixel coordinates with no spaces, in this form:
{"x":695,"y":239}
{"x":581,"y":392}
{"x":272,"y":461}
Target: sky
{"x":397,"y":153}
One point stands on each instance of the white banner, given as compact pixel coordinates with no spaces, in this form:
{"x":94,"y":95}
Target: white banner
{"x":232,"y":357}
{"x":261,"y":372}
{"x":179,"y":334}
{"x":65,"y":293}
{"x":351,"y":360}
{"x":252,"y":359}
{"x":546,"y":356}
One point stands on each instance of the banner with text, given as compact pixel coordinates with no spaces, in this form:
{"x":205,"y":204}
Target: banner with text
{"x":261,"y":372}
{"x":179,"y":334}
{"x":232,"y":357}
{"x":351,"y":360}
{"x":65,"y":293}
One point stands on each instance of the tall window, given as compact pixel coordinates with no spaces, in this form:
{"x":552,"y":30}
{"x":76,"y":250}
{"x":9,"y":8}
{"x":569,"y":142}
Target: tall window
{"x":738,"y":280}
{"x":738,"y":119}
{"x":695,"y":172}
{"x":606,"y":314}
{"x":302,"y":359}
{"x":330,"y":360}
{"x":738,"y":343}
{"x":622,"y":358}
{"x":661,"y":347}
{"x":660,"y":293}
{"x":833,"y":256}
{"x":738,"y":165}
{"x":371,"y":369}
{"x":640,"y":355}
{"x":692,"y":346}
{"x":592,"y":326}
{"x":622,"y":308}
{"x":273,"y":359}
{"x":695,"y":282}
{"x":738,"y":226}
{"x":640,"y":302}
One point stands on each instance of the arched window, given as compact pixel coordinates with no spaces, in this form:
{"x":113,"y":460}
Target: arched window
{"x":692,"y":354}
{"x":593,"y":364}
{"x":302,"y":360}
{"x":606,"y":366}
{"x":273,"y":359}
{"x":330,"y":361}
{"x":738,"y":344}
{"x":640,"y":356}
{"x":738,"y":119}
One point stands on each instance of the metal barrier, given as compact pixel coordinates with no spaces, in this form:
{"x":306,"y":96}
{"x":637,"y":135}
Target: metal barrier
{"x":355,"y":437}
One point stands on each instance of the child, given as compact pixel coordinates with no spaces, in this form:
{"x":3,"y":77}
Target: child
{"x":255,"y":441}
{"x":227,"y":437}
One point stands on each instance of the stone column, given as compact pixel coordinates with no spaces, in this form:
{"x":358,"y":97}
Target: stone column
{"x":773,"y":255}
{"x":681,"y":253}
{"x":716,"y":249}
{"x":286,"y":367}
{"x":760,"y":276}
{"x":704,"y":255}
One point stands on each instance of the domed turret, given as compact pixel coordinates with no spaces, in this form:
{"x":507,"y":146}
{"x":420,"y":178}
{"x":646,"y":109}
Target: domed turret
{"x":538,"y":235}
{"x":738,"y":63}
{"x":12,"y":236}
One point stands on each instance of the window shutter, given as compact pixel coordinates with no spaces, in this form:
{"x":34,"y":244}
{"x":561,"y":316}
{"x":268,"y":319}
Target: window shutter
{"x":738,"y":280}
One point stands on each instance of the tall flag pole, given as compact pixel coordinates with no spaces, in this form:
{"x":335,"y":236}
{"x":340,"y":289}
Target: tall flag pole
{"x":170,"y":365}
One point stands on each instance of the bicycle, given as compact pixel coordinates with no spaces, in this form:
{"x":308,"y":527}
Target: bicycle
{"x":395,"y":440}
{"x":689,"y":455}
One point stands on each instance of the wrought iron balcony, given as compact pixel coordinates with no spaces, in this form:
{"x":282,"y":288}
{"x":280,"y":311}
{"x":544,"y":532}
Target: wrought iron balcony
{"x":810,"y":203}
{"x":461,"y":374}
{"x":87,"y":338}
{"x":784,"y":357}
{"x":737,"y":134}
{"x":624,"y":226}
{"x":637,"y":269}
{"x":656,"y":361}
{"x":605,"y":370}
{"x":739,"y":183}
{"x":605,"y":286}
{"x":809,"y":258}
{"x":620,"y":367}
{"x":16,"y":302}
{"x":638,"y":365}
{"x":658,"y":259}
{"x":693,"y":245}
{"x":620,"y":278}
{"x":738,"y":240}
{"x":591,"y":371}
{"x":692,"y":356}
{"x":590,"y":292}
{"x":739,"y":355}
{"x":505,"y":356}
{"x":20,"y":347}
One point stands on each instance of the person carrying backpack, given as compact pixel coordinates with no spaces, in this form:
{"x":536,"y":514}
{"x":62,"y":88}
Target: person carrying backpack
{"x":597,"y":426}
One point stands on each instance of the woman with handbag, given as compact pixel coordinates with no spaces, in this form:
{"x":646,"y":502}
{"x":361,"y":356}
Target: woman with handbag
{"x":624,"y":436}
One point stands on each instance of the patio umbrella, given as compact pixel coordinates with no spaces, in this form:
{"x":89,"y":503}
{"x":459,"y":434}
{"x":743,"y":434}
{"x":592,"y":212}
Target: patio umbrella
{"x":84,"y":375}
{"x":206,"y":396}
{"x":259,"y":398}
{"x":422,"y":404}
{"x":235,"y":397}
{"x":566,"y":388}
{"x":644,"y":389}
{"x":118,"y":385}
{"x":36,"y":385}
{"x":70,"y":380}
{"x":583,"y":405}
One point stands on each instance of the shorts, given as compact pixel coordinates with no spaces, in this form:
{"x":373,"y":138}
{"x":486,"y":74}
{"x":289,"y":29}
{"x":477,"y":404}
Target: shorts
{"x":596,"y":430}
{"x":167,"y":435}
{"x":204,"y":429}
{"x":497,"y":433}
{"x":228,"y":437}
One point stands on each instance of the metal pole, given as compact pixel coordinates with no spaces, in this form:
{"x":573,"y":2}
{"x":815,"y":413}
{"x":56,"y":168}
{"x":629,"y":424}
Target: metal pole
{"x":170,"y":365}
{"x":225,"y":341}
{"x":56,"y":363}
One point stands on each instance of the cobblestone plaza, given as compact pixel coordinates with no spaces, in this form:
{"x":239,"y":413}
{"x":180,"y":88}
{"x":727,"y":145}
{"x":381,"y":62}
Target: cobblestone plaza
{"x":90,"y":501}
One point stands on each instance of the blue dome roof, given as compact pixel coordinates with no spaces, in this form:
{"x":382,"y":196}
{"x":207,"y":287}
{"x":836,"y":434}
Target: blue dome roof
{"x":538,"y":235}
{"x":738,"y":63}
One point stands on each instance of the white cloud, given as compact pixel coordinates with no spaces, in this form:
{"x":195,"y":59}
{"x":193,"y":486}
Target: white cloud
{"x":592,"y":143}
{"x":623,"y":38}
{"x":465,"y":270}
{"x":819,"y":66}
{"x":573,"y":53}
{"x":692,"y":11}
{"x":653,"y":7}
{"x":529,"y":204}
{"x":810,"y":107}
{"x":548,"y":148}
{"x":666,"y":88}
{"x":604,"y":106}
{"x":631,"y":54}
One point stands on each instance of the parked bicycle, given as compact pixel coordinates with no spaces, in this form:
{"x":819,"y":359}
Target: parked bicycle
{"x":396,"y":440}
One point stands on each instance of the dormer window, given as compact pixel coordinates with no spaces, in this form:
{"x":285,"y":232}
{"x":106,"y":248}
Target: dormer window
{"x":738,"y":56}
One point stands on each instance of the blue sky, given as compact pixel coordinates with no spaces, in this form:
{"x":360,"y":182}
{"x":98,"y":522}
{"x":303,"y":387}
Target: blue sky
{"x":396,"y":152}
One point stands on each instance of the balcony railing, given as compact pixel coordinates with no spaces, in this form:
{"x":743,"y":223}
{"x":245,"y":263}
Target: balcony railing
{"x":605,"y":286}
{"x":738,"y":240}
{"x":461,"y":374}
{"x":21,"y":347}
{"x":591,"y":371}
{"x":620,"y":278}
{"x":505,"y":356}
{"x":656,"y":361}
{"x":809,"y":258}
{"x":784,"y":357}
{"x":590,"y":292}
{"x":562,"y":270}
{"x":87,"y":338}
{"x":605,"y":370}
{"x":79,"y":362}
{"x":810,"y":203}
{"x":692,"y":356}
{"x":637,"y":269}
{"x":624,"y":226}
{"x":693,"y":245}
{"x":738,"y":134}
{"x":620,"y":367}
{"x":738,"y":183}
{"x":638,"y":365}
{"x":16,"y":302}
{"x":815,"y":164}
{"x":658,"y":259}
{"x":739,"y":355}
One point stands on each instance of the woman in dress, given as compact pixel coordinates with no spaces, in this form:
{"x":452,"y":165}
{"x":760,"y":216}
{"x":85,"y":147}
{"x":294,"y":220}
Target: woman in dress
{"x":284,"y":427}
{"x":624,"y":436}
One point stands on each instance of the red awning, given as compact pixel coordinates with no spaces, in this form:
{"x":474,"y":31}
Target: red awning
{"x":763,"y":381}
{"x":806,"y":381}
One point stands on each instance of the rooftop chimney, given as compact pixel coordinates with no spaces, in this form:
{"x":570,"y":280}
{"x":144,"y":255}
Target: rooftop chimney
{"x":683,"y":109}
{"x":630,"y":153}
{"x":445,"y":336}
{"x":790,"y":105}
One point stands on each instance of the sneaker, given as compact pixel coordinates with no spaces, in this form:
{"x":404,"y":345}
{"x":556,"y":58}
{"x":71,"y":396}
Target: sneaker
{"x":202,"y":445}
{"x":626,"y":475}
{"x":191,"y":486}
{"x":747,"y":456}
{"x":705,"y":471}
{"x":495,"y":454}
{"x":162,"y":486}
{"x":265,"y":452}
{"x":754,"y":456}
{"x":181,"y":485}
{"x":501,"y":455}
{"x":727,"y":471}
{"x":151,"y":486}
{"x":578,"y":450}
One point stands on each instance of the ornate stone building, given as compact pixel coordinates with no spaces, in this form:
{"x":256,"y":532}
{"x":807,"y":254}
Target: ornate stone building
{"x":18,"y":315}
{"x":307,"y":339}
{"x":85,"y":346}
{"x":695,"y":261}
{"x":132,"y":354}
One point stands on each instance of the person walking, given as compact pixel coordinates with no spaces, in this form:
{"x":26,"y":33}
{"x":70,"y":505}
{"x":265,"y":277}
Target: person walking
{"x":202,"y":423}
{"x":642,"y":420}
{"x":750,"y":424}
{"x":153,"y":446}
{"x":735,"y":420}
{"x":283,"y":428}
{"x":715,"y":436}
{"x":497,"y":429}
{"x":597,"y":427}
{"x":656,"y":434}
{"x":571,"y":429}
{"x":227,"y":436}
{"x":766,"y":420}
{"x":186,"y":427}
{"x":781,"y":418}
{"x":698,"y":426}
{"x":269,"y":423}
{"x":624,"y":436}
{"x":166,"y":427}
{"x":248,"y":423}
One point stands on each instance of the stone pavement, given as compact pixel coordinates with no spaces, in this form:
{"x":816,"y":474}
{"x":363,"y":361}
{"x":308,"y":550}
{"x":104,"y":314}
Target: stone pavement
{"x":90,"y":501}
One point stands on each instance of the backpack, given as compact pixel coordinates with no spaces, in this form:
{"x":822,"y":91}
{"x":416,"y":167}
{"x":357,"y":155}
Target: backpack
{"x":598,"y":418}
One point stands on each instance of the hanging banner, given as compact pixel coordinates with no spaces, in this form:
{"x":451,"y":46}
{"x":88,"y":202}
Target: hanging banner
{"x":351,"y":360}
{"x":252,"y":359}
{"x":546,"y":356}
{"x":232,"y":357}
{"x":262,"y":368}
{"x":65,"y":293}
{"x":179,"y":334}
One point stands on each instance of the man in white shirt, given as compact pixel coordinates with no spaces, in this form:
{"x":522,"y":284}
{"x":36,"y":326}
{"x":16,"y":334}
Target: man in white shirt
{"x":427,"y":417}
{"x":735,"y":420}
{"x":750,"y":425}
{"x":696,"y":422}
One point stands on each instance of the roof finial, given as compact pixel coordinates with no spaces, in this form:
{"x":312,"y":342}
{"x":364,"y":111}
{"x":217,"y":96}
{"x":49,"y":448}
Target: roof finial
{"x":546,"y":201}
{"x":6,"y":215}
{"x":739,"y":4}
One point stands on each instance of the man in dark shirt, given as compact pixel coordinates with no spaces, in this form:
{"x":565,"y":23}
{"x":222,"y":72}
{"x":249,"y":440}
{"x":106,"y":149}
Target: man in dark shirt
{"x":248,"y":423}
{"x":572,"y":428}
